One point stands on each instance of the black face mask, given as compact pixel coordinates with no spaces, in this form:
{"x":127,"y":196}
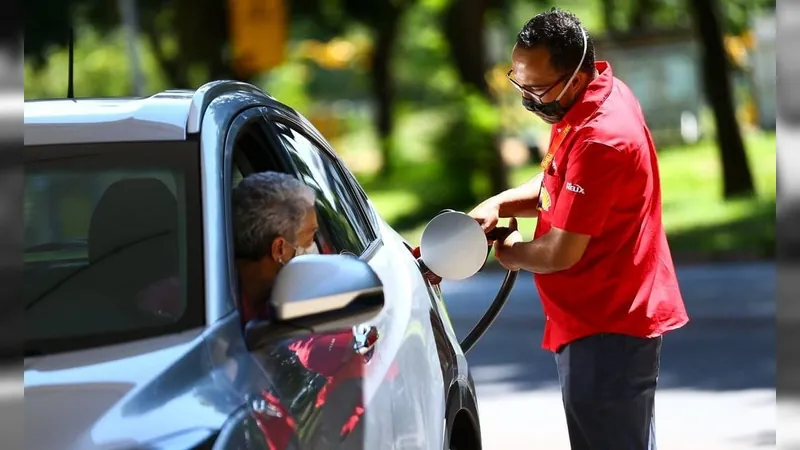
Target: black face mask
{"x":553,"y":112}
{"x":549,"y":112}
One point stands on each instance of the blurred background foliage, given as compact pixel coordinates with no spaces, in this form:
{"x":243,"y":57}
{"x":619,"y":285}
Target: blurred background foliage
{"x":413,"y":95}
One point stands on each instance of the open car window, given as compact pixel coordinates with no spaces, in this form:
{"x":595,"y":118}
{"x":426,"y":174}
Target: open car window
{"x":113,"y":244}
{"x":337,"y":206}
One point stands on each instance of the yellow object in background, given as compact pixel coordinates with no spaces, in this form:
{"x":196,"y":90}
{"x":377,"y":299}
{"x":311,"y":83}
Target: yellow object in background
{"x":326,"y":123}
{"x":736,"y":46}
{"x":497,"y":79}
{"x":333,"y":55}
{"x":258,"y":30}
{"x":749,"y":113}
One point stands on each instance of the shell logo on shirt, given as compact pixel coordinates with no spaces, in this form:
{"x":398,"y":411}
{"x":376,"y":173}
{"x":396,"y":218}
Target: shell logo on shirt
{"x":544,"y":199}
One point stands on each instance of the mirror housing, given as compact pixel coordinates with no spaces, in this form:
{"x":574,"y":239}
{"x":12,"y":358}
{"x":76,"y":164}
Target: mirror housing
{"x":318,"y":293}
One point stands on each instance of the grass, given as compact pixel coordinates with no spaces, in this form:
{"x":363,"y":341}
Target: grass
{"x":700,"y":223}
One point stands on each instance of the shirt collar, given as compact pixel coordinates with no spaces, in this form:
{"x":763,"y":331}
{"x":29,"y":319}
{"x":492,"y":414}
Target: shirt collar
{"x":592,"y":97}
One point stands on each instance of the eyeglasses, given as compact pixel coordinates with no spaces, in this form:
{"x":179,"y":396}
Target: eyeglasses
{"x":524,"y":90}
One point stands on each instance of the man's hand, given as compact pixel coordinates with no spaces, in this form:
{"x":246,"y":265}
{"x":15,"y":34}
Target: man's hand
{"x":503,"y":250}
{"x":486,"y":214}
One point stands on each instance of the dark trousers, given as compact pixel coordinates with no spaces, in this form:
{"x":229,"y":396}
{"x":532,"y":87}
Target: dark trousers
{"x":608,"y":385}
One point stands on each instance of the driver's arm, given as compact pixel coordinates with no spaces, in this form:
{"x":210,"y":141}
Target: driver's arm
{"x":521,"y":201}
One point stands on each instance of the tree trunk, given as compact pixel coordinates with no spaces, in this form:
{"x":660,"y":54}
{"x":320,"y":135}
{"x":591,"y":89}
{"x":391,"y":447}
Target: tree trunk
{"x":609,"y":8}
{"x":383,"y":88}
{"x":202,"y":34}
{"x":641,"y":18}
{"x":464,"y":29}
{"x":175,"y":74}
{"x":736,"y":176}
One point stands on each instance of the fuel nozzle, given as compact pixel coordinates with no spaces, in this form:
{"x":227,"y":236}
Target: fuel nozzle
{"x":497,"y":233}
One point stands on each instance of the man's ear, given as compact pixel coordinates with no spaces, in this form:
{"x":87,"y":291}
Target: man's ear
{"x":277,"y":249}
{"x":578,"y":81}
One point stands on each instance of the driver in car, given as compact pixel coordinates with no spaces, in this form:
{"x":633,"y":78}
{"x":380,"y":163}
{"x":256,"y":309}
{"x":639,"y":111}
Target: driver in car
{"x":274,"y":220}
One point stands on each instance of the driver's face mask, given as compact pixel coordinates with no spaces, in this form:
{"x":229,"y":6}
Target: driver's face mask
{"x":310,"y":250}
{"x":552,"y":112}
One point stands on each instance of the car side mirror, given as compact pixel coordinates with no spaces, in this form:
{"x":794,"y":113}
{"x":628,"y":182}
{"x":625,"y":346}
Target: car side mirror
{"x":316,"y":294}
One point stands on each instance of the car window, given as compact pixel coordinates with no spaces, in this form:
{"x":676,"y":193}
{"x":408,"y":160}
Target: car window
{"x":371,"y":218}
{"x":112,"y":243}
{"x":337,"y":206}
{"x":251,"y":150}
{"x":237,"y":176}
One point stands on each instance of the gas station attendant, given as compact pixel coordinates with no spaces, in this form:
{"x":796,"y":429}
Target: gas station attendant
{"x":599,"y":255}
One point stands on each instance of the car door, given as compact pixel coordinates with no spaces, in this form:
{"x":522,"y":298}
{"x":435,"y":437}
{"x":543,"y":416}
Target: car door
{"x":417,"y":400}
{"x":315,"y":398}
{"x":282,"y":391}
{"x":342,"y":231}
{"x":415,"y":392}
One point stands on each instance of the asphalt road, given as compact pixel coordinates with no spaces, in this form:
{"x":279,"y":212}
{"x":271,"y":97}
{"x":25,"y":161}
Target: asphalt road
{"x":717,"y":383}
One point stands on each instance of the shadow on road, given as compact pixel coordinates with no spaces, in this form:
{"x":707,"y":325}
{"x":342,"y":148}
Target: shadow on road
{"x":713,"y":355}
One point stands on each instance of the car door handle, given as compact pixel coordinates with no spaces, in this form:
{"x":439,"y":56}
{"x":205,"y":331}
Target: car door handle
{"x":365,"y":338}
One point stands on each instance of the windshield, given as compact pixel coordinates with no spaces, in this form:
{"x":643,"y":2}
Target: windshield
{"x":113,"y":243}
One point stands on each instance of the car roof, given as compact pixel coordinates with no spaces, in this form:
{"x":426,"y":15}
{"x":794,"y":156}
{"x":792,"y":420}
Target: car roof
{"x":160,"y":117}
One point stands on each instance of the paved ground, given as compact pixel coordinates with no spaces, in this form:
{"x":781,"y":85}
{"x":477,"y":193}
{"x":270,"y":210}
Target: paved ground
{"x":717,"y":385}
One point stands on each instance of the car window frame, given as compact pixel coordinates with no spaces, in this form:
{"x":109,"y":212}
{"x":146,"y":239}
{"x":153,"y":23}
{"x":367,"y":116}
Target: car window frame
{"x":240,"y":123}
{"x":374,"y":240}
{"x":359,"y":242}
{"x":370,"y":215}
{"x":194,"y":316}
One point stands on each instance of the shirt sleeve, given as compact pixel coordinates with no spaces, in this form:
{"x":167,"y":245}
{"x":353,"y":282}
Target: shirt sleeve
{"x":594,"y":178}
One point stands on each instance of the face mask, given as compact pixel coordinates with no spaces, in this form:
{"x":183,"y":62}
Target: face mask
{"x":310,"y":250}
{"x":549,"y":112}
{"x":553,"y":112}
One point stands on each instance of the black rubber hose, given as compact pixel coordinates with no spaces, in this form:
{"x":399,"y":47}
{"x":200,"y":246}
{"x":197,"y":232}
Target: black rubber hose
{"x":491,"y":313}
{"x":499,"y":301}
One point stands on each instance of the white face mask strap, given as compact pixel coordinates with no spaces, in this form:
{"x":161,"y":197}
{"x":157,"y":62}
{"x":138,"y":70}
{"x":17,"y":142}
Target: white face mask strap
{"x":577,"y":69}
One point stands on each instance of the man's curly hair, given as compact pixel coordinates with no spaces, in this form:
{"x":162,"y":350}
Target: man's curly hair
{"x":559,"y":32}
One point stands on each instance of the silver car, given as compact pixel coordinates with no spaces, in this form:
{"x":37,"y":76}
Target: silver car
{"x":132,"y":335}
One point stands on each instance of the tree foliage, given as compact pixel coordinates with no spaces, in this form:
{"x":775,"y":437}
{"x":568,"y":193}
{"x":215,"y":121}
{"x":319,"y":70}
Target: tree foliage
{"x":188,"y":43}
{"x":185,"y":36}
{"x":44,"y":31}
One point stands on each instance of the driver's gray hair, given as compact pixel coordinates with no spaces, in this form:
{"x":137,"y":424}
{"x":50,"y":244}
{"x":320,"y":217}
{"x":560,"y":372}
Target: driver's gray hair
{"x":267,"y":205}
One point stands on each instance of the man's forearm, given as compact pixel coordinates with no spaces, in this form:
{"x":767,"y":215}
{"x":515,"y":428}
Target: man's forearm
{"x":521,"y":201}
{"x":553,"y":251}
{"x":537,"y":256}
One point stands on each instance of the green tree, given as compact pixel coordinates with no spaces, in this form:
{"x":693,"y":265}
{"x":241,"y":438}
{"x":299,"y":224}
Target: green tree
{"x":711,"y":20}
{"x":383,"y":19}
{"x":464,"y":24}
{"x":736,"y":176}
{"x":626,"y":16}
{"x":187,"y":37}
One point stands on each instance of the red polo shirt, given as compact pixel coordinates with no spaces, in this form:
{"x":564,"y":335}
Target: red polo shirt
{"x":603,"y":181}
